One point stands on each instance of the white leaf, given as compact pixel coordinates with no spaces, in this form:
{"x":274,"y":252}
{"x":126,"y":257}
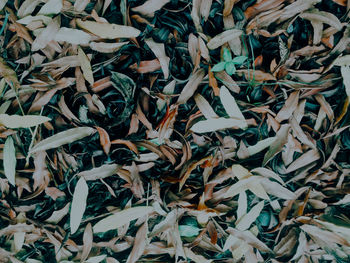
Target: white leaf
{"x":101,"y":172}
{"x":72,"y":36}
{"x":121,"y":218}
{"x":52,"y":7}
{"x":242,"y":205}
{"x":18,"y":240}
{"x":230,"y":105}
{"x":17,"y":121}
{"x":106,"y":47}
{"x":58,"y":215}
{"x":159,"y":50}
{"x":218,"y":124}
{"x":29,"y":19}
{"x":10,"y":160}
{"x":78,"y":204}
{"x":108,"y":31}
{"x":250,"y":217}
{"x":191,"y":86}
{"x":67,"y":136}
{"x":342,"y":61}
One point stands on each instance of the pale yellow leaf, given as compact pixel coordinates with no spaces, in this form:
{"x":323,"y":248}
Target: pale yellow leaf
{"x":150,"y":6}
{"x":205,"y":107}
{"x":78,"y":204}
{"x":18,"y":121}
{"x":58,"y":215}
{"x":106,"y":47}
{"x":108,"y":31}
{"x":260,"y":145}
{"x":121,"y":218}
{"x":10,"y":160}
{"x":18,"y":240}
{"x":191,"y":86}
{"x":224,"y":37}
{"x":85,"y":66}
{"x":218,"y":124}
{"x":159,"y":50}
{"x":230,"y":106}
{"x":52,"y":7}
{"x":59,"y":139}
{"x":72,"y":36}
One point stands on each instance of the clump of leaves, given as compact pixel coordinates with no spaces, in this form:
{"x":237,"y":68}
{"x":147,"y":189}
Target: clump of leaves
{"x":229,"y":64}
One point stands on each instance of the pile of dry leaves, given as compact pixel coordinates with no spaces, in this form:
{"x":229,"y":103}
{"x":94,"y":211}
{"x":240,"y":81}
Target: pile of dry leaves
{"x":174,"y":131}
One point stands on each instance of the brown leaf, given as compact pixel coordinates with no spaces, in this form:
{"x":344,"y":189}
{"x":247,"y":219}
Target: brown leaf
{"x":289,"y":107}
{"x":9,"y":75}
{"x":139,"y":244}
{"x":146,"y":66}
{"x":87,"y":242}
{"x":104,"y":139}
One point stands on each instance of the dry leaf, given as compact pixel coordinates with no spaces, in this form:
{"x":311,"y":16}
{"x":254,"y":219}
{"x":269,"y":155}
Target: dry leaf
{"x":78,"y":204}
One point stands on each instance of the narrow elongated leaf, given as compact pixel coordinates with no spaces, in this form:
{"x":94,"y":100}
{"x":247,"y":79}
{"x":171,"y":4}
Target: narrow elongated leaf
{"x":121,"y":218}
{"x":260,"y":145}
{"x":17,"y":121}
{"x":47,"y":34}
{"x":52,"y":7}
{"x":62,"y":138}
{"x":108,"y":31}
{"x":140,"y":243}
{"x":85,"y":66}
{"x":218,"y":124}
{"x":159,"y":50}
{"x":231,"y":107}
{"x":277,"y":145}
{"x":72,"y":36}
{"x":322,"y":16}
{"x":224,"y":37}
{"x":150,"y":6}
{"x":78,"y":204}
{"x":191,"y":86}
{"x":9,"y":75}
{"x":278,"y":190}
{"x":249,"y":218}
{"x":10,"y":160}
{"x":99,"y":172}
{"x":205,"y":107}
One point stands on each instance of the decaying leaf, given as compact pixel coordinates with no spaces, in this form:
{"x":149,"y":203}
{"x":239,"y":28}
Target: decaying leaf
{"x":10,"y":160}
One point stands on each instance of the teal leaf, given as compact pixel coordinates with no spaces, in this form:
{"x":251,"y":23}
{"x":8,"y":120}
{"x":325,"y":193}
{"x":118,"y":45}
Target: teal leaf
{"x":188,"y":231}
{"x":10,"y":160}
{"x":239,"y":60}
{"x":230,"y":68}
{"x":227,"y":55}
{"x":219,"y":67}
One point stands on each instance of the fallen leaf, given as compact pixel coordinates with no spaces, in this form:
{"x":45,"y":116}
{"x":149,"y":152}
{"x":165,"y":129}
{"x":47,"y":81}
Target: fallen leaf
{"x":191,"y":86}
{"x":78,"y":204}
{"x":104,"y":139}
{"x":101,"y":172}
{"x":231,"y":107}
{"x":48,"y":34}
{"x":289,"y":107}
{"x":72,"y":36}
{"x":59,"y":139}
{"x":26,"y":121}
{"x":108,"y":31}
{"x":205,"y":107}
{"x":121,"y":218}
{"x":159,"y":50}
{"x":224,"y":37}
{"x":10,"y":160}
{"x":51,"y":7}
{"x":249,"y":218}
{"x":140,"y":243}
{"x":85,"y":66}
{"x":150,"y":7}
{"x":218,"y":124}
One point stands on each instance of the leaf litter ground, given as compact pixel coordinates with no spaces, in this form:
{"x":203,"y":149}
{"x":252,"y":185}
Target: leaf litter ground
{"x":174,"y":131}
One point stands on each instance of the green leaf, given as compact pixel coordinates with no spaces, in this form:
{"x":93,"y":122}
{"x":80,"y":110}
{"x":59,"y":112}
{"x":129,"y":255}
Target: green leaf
{"x":10,"y":160}
{"x":227,"y":55}
{"x":239,"y":60}
{"x":218,"y":67}
{"x":188,"y":231}
{"x":17,"y":121}
{"x":78,"y":204}
{"x":230,"y":68}
{"x":62,"y":138}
